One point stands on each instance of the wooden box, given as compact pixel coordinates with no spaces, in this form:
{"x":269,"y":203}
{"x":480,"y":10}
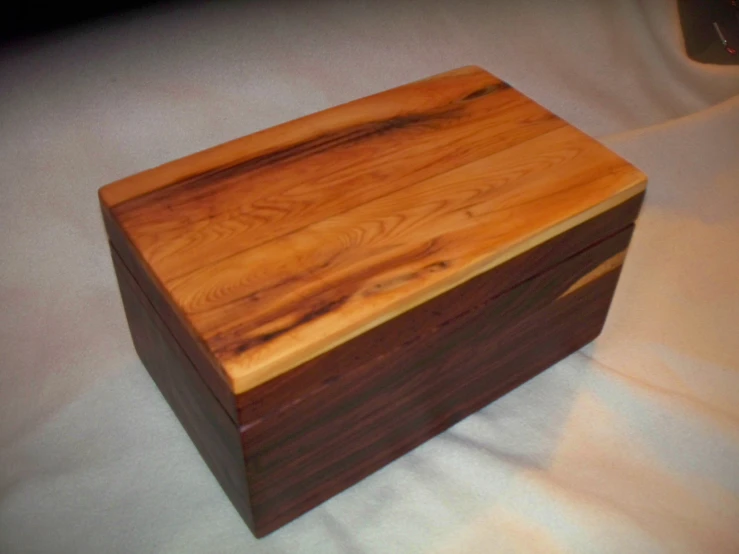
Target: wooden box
{"x":318,"y":298}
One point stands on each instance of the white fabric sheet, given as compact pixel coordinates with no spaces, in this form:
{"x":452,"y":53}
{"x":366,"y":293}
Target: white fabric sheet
{"x":631,"y":445}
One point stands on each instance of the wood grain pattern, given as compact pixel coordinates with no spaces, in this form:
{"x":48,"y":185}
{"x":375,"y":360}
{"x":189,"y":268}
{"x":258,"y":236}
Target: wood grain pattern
{"x":607,"y":266}
{"x":366,"y":410}
{"x":210,"y":428}
{"x":193,"y":348}
{"x":315,"y":377}
{"x":325,"y":425}
{"x":276,"y":248}
{"x":366,"y":266}
{"x":426,"y":94}
{"x":260,"y":199}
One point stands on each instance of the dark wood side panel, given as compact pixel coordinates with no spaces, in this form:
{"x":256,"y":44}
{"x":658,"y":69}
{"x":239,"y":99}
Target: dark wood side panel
{"x":368,"y":410}
{"x":162,"y":306}
{"x":215,"y":435}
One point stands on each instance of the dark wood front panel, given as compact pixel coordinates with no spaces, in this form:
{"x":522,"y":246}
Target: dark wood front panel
{"x":312,"y":378}
{"x":209,"y":427}
{"x":361,"y":416}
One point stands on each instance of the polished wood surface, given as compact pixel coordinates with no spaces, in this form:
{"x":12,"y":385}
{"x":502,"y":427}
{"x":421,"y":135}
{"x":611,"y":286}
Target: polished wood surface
{"x":338,"y":418}
{"x":279,"y":247}
{"x":215,"y":435}
{"x":303,"y":437}
{"x":314,"y":377}
{"x":199,"y":358}
{"x":318,"y":298}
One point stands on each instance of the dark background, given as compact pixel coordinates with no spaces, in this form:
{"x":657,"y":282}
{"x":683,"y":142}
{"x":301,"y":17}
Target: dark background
{"x":21,"y":19}
{"x":27,"y":19}
{"x":701,"y":41}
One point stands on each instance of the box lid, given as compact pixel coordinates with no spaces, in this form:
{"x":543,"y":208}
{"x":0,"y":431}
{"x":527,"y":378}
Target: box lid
{"x":281,"y":245}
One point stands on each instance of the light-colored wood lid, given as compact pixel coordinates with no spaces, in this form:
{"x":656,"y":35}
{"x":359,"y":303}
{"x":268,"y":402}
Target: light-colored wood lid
{"x":281,"y":245}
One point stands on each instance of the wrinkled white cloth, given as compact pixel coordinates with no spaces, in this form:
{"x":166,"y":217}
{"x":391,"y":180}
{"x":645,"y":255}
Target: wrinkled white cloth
{"x":631,"y":445}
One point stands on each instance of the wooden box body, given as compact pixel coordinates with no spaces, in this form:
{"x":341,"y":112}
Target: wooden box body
{"x":319,"y":298}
